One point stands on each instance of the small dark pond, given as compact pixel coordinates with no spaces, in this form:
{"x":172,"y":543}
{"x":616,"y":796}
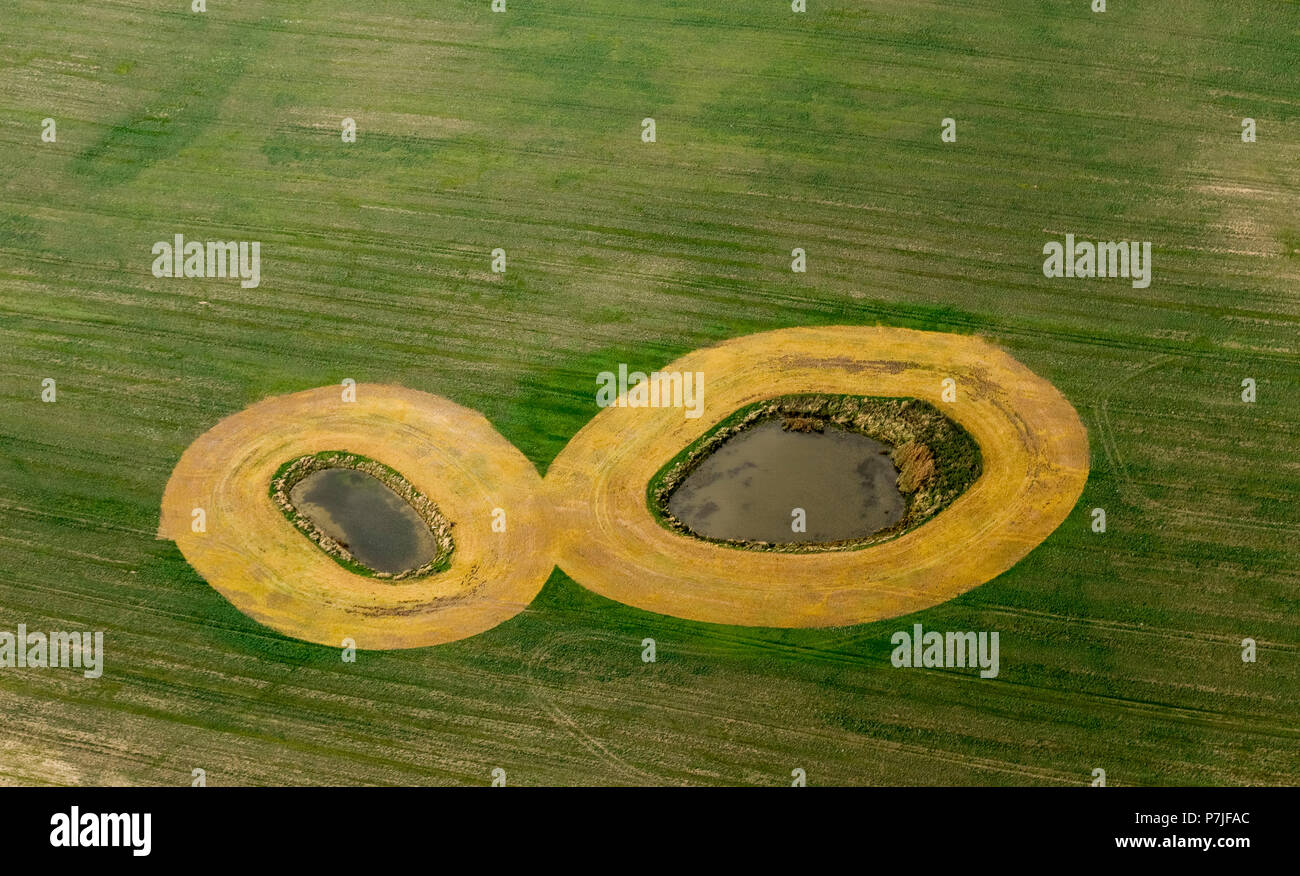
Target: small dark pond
{"x":376,"y":525}
{"x":748,"y":488}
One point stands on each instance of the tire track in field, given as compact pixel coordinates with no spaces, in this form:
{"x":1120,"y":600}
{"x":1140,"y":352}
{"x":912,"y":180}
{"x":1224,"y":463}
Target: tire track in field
{"x":1138,"y":629}
{"x":823,"y":740}
{"x":1128,"y":487}
{"x":566,"y":722}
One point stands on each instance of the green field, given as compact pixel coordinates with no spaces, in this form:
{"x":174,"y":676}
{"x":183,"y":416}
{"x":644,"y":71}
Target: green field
{"x":775,"y":130}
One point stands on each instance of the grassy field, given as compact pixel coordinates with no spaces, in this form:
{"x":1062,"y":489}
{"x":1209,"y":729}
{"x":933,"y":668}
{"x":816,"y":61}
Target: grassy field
{"x":775,"y":130}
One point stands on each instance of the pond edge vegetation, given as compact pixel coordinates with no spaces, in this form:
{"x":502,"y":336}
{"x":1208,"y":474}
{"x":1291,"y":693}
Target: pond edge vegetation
{"x":937,"y":459}
{"x":291,"y":473}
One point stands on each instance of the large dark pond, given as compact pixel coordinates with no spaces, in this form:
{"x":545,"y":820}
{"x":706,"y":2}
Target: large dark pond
{"x":749,"y":487}
{"x":378,"y":526}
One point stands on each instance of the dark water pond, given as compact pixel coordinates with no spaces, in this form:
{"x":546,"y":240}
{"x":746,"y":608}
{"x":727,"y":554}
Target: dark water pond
{"x":378,"y":526}
{"x":749,"y":487}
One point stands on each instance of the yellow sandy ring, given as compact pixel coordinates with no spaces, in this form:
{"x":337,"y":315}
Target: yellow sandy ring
{"x":256,"y":558}
{"x":1034,"y":447}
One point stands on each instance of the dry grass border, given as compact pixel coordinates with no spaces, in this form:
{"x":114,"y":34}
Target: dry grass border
{"x":1033,"y":446}
{"x":590,"y":513}
{"x":256,"y":558}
